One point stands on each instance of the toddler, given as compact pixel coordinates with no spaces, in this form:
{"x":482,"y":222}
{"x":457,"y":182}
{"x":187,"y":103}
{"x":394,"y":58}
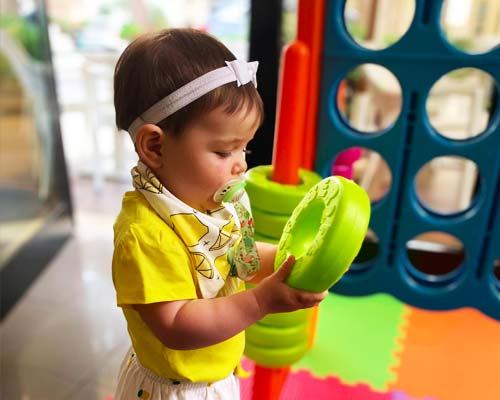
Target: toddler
{"x":182,"y":252}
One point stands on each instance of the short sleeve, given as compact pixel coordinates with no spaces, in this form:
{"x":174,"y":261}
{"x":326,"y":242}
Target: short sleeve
{"x":151,"y":265}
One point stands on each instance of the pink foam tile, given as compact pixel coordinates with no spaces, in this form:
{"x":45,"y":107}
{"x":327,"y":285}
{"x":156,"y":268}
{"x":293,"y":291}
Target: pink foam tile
{"x":400,"y":395}
{"x":301,"y":385}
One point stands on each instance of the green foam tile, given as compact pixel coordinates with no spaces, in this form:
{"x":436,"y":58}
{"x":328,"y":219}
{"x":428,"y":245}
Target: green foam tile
{"x":356,"y":339}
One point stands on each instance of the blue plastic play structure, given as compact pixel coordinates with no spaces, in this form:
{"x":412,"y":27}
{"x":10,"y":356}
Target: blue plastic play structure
{"x":418,"y":60}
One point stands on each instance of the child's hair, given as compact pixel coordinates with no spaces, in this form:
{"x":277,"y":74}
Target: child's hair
{"x":154,"y":65}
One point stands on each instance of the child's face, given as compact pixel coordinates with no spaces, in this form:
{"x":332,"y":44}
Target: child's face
{"x":209,"y":153}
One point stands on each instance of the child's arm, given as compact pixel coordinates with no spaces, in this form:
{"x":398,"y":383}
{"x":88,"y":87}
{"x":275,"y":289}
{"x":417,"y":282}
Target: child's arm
{"x":192,"y":324}
{"x":267,"y":254}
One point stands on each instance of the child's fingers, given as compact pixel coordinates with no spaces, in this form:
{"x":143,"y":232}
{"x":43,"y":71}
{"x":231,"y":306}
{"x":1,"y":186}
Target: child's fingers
{"x":309,"y":299}
{"x":285,"y":268}
{"x":319,"y":297}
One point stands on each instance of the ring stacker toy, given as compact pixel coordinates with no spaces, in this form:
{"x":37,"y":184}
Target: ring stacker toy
{"x":324,"y":233}
{"x":295,"y":137}
{"x":272,"y":205}
{"x":273,"y":356}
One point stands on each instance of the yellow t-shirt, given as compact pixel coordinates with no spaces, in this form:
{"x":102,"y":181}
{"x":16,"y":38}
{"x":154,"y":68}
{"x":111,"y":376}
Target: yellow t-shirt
{"x":151,"y":264}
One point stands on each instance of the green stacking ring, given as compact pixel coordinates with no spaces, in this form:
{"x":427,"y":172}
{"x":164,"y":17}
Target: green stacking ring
{"x":261,"y":238}
{"x":273,"y":197}
{"x":325,"y":233}
{"x":270,"y":225}
{"x":276,"y":357}
{"x":280,"y":336}
{"x":287,"y":319}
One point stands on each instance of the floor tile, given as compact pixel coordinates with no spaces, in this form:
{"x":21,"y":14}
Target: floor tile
{"x":33,"y":383}
{"x":74,"y":340}
{"x":19,"y":325}
{"x":102,"y":382}
{"x":66,"y":337}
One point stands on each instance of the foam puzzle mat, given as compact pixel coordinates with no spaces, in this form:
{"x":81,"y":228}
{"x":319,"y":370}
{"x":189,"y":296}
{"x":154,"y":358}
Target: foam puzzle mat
{"x":378,"y":348}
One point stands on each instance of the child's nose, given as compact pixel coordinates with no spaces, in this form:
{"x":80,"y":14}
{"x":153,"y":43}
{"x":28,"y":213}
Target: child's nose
{"x":239,"y":167}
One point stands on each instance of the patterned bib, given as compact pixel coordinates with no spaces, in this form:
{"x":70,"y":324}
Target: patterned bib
{"x":220,"y":255}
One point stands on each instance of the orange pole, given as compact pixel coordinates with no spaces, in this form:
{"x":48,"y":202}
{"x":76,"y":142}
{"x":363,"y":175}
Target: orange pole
{"x":310,"y":31}
{"x":290,"y":113}
{"x":287,"y":159}
{"x":268,"y":382}
{"x":313,"y":324}
{"x":295,"y":141}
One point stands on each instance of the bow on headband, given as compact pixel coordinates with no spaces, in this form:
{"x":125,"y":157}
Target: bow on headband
{"x":244,"y":71}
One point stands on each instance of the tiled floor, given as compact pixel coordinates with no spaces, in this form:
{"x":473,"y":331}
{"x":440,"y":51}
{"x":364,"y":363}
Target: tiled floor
{"x":65,"y":338}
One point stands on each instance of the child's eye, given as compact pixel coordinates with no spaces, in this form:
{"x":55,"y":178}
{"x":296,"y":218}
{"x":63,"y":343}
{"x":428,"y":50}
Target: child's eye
{"x":247,"y":151}
{"x":223,"y":154}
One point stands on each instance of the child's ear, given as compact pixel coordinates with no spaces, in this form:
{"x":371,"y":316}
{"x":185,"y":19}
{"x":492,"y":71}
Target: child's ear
{"x":148,"y":144}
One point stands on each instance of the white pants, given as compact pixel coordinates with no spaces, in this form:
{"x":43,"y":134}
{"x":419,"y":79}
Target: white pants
{"x":136,"y":382}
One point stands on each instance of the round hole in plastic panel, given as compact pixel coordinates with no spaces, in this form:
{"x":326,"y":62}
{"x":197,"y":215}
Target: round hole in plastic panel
{"x":435,"y":258}
{"x":367,"y":254}
{"x":448,"y":184}
{"x":377,"y":25}
{"x":369,"y":98}
{"x":496,"y":274}
{"x":367,"y":168}
{"x":471,"y":26}
{"x":461,"y":103}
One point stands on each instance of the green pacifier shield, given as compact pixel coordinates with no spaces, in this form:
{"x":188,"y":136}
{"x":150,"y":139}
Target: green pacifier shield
{"x":324,"y":233}
{"x":228,"y":196}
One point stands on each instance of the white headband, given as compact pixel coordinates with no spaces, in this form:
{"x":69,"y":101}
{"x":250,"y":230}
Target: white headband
{"x":238,"y":70}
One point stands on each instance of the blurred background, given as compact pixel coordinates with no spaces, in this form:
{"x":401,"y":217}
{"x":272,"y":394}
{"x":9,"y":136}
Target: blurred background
{"x":57,"y":117}
{"x":64,"y":166}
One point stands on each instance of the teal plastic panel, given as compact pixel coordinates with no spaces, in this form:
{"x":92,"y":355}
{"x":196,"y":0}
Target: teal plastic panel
{"x":418,"y":60}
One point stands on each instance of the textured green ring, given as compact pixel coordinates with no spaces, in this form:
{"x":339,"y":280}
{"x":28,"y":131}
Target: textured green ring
{"x":273,"y":197}
{"x":324,"y":233}
{"x":277,"y":336}
{"x":276,"y":357}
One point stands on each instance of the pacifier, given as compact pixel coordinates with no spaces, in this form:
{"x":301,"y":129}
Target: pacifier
{"x":231,"y":191}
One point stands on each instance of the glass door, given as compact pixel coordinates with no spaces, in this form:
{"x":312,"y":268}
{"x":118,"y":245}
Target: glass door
{"x":34,"y":194}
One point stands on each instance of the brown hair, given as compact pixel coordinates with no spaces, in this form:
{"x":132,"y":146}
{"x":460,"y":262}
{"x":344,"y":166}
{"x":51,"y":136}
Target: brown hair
{"x":154,"y":65}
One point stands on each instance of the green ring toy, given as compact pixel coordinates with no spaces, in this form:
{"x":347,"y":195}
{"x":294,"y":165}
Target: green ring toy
{"x":276,"y":357}
{"x":324,"y":233}
{"x":287,"y":319}
{"x":271,"y":225}
{"x":273,"y":197}
{"x":276,"y":337}
{"x":261,"y":238}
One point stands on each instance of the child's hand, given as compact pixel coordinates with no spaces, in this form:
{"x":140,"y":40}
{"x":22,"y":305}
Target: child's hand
{"x":274,"y":295}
